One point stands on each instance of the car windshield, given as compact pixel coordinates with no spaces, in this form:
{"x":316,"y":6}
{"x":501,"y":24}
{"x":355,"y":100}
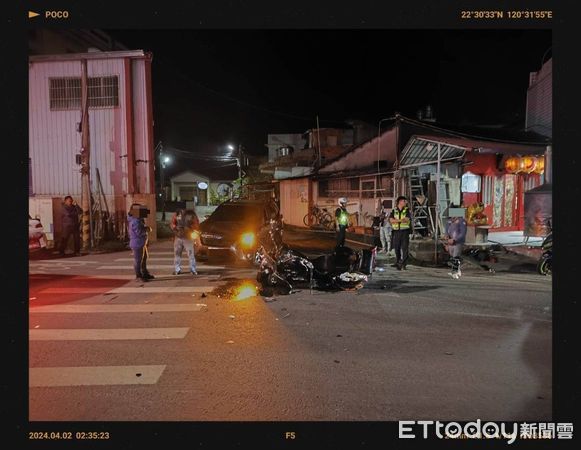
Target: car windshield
{"x":236,"y":212}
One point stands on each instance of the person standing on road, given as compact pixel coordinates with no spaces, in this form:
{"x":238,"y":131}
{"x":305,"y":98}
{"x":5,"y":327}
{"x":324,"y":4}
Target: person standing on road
{"x":71,"y":226}
{"x":400,"y":219}
{"x":184,"y":224}
{"x":138,"y":239}
{"x":385,"y":227}
{"x":456,"y":228}
{"x":342,"y":219}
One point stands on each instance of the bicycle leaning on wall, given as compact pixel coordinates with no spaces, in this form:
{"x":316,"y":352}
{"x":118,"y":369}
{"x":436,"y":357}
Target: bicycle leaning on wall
{"x":321,"y":217}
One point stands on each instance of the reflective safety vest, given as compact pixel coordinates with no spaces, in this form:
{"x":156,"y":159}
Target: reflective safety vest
{"x":398,"y":215}
{"x":343,"y":218}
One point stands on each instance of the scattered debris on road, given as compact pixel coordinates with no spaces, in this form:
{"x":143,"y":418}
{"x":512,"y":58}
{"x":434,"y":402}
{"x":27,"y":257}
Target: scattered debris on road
{"x":286,"y":315}
{"x":229,"y":342}
{"x":232,"y":316}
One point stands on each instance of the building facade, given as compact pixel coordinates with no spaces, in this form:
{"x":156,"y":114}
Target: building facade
{"x":120,"y":129}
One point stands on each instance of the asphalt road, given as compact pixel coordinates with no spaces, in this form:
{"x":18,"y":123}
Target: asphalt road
{"x":412,"y":344}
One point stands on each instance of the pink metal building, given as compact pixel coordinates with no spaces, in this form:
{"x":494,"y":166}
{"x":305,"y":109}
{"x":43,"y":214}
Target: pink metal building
{"x":120,"y":125}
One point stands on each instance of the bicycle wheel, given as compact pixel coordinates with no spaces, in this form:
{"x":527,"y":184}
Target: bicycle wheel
{"x":327,"y":221}
{"x":309,"y":220}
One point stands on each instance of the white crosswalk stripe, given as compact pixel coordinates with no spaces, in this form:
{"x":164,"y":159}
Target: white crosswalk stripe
{"x":109,"y":308}
{"x":158,"y":267}
{"x":130,"y":290}
{"x":106,"y":334}
{"x":94,"y":375}
{"x":188,"y":289}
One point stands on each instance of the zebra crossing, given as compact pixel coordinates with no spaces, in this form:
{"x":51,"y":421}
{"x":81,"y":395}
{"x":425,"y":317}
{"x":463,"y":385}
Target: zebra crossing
{"x":178,"y":295}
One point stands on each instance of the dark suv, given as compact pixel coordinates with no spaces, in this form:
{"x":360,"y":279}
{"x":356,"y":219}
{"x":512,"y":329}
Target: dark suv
{"x":235,"y":225}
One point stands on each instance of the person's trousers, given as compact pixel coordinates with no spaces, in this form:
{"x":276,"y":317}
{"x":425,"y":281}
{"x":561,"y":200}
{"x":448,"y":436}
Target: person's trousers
{"x":401,"y":241}
{"x":341,"y":235}
{"x":455,"y":252}
{"x":179,"y":244}
{"x":385,"y":236}
{"x":140,"y":261}
{"x":69,"y":231}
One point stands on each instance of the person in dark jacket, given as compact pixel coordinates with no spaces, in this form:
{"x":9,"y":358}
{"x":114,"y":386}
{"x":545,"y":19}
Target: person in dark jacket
{"x":138,"y":238}
{"x":184,"y":223}
{"x":71,"y":226}
{"x":456,"y":228}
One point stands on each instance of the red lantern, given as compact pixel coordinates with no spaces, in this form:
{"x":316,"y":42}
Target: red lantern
{"x":527,"y":164}
{"x":511,"y":165}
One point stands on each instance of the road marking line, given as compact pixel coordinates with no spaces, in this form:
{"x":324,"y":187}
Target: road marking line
{"x":185,"y":257}
{"x":114,"y":308}
{"x":160,"y":253}
{"x":106,"y":334}
{"x":132,"y":277}
{"x":56,"y":262}
{"x":168,"y":266}
{"x":93,"y":376}
{"x":129,"y":290}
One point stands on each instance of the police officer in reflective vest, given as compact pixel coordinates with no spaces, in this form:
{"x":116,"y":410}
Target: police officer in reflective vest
{"x":342,"y":218}
{"x":400,"y":219}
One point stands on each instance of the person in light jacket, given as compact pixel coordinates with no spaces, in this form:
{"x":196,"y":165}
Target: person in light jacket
{"x":138,"y":238}
{"x":385,"y":227}
{"x":456,"y":228}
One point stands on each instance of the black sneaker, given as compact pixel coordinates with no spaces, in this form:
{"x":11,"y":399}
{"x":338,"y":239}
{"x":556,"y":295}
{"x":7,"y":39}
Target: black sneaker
{"x":193,"y":272}
{"x":178,"y":272}
{"x":141,"y":279}
{"x":148,"y":276}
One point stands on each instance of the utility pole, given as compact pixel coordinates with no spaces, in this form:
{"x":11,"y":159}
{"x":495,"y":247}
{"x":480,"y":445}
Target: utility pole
{"x":239,"y":162}
{"x":85,"y":159}
{"x":162,"y":181}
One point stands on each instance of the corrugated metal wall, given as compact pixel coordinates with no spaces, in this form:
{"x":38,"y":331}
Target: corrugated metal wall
{"x":54,"y":141}
{"x":540,"y":101}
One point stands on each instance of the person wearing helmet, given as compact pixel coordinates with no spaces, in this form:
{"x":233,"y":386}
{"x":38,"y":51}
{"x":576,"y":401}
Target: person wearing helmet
{"x":342,"y":219}
{"x":400,"y":219}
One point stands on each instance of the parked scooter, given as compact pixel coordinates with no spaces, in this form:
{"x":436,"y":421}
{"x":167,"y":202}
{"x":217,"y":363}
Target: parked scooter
{"x":279,"y":266}
{"x":544,"y":266}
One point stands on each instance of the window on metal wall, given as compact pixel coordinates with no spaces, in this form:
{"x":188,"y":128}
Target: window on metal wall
{"x":487,"y":186}
{"x":323,"y":188}
{"x":65,"y":93}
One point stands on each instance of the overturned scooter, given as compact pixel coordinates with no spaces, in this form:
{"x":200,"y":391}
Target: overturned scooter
{"x":281,"y":267}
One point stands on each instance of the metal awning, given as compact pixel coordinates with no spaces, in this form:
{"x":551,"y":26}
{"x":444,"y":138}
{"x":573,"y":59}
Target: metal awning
{"x":420,"y":151}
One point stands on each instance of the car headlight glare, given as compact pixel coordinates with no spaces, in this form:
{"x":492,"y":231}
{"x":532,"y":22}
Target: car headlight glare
{"x":247,"y":240}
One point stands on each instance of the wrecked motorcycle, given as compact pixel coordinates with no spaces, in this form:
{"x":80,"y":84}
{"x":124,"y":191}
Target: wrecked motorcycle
{"x":544,"y":266}
{"x":285,"y":268}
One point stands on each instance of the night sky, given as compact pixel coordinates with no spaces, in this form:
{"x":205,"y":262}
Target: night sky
{"x":213,"y":87}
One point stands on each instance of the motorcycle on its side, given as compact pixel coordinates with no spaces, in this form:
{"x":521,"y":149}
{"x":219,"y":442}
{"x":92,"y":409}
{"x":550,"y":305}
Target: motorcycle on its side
{"x":544,"y":266}
{"x":285,"y":268}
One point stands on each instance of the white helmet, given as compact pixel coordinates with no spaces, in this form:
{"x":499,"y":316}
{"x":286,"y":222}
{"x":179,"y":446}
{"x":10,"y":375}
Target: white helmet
{"x":342,"y":201}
